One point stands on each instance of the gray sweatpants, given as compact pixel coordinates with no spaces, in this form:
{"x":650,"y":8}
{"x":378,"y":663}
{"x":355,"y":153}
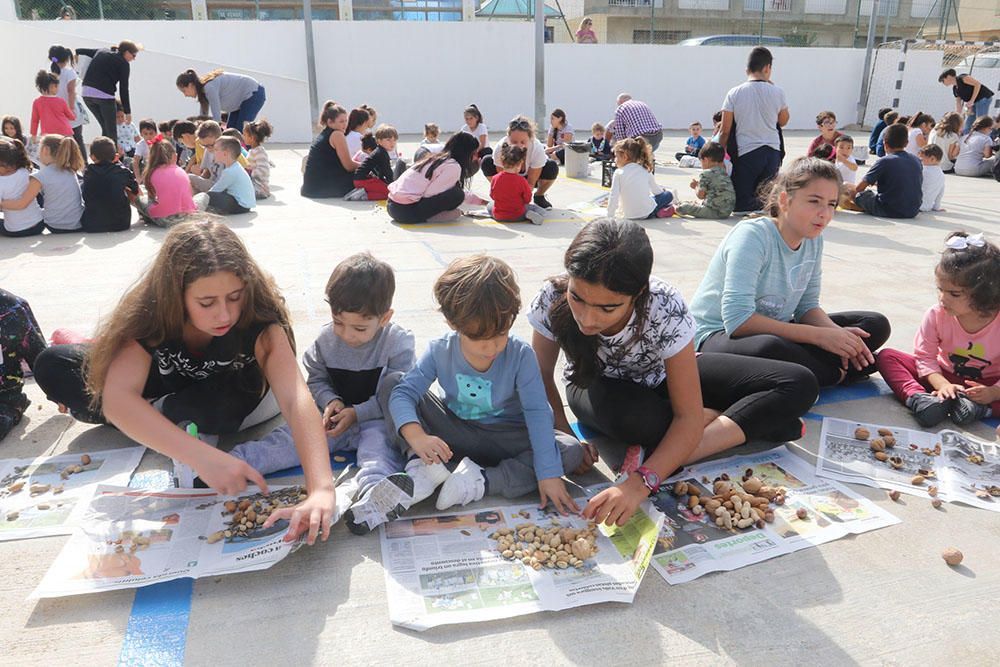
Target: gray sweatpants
{"x":378,"y":455}
{"x":503,"y":450}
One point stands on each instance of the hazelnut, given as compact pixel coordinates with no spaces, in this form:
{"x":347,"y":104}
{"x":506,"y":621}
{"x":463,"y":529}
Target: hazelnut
{"x":85,"y":459}
{"x":936,"y":503}
{"x":952,"y":556}
{"x":802,"y":513}
{"x":894,"y":495}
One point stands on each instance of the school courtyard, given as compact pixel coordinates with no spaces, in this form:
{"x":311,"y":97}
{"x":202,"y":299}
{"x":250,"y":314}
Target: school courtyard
{"x":883,"y":597}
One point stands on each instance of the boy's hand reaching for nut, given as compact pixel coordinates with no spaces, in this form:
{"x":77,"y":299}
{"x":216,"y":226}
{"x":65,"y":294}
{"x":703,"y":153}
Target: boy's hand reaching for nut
{"x":554,"y":490}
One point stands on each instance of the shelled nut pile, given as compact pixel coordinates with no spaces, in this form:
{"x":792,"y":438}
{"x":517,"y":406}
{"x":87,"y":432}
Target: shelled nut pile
{"x":555,"y":547}
{"x":248,"y":513}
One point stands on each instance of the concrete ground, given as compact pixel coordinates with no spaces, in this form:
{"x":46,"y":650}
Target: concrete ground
{"x":884,"y":597}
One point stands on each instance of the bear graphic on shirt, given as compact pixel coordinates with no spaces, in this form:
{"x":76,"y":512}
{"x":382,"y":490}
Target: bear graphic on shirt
{"x":475,"y":397}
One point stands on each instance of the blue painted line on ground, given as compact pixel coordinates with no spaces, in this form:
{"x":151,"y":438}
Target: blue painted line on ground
{"x":853,"y":392}
{"x":350,"y":458}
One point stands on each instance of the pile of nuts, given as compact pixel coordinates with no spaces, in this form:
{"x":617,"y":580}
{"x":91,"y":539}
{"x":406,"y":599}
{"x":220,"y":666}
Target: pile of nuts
{"x":736,"y":505}
{"x":887,"y":440}
{"x":554,"y":547}
{"x":250,"y":512}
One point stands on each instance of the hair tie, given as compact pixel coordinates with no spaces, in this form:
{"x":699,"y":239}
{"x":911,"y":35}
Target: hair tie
{"x":965,"y":242}
{"x":54,"y":59}
{"x":155,"y":140}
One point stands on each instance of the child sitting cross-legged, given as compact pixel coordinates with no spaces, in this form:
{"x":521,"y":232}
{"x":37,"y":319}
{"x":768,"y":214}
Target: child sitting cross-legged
{"x":233,"y":193}
{"x":107,"y":190}
{"x":431,"y":143}
{"x":352,"y":367}
{"x":492,"y":432}
{"x":168,"y":192}
{"x":255,"y":133}
{"x":372,"y":178}
{"x":510,"y":192}
{"x":633,"y":188}
{"x":933,"y":184}
{"x":714,"y":187}
{"x":898,"y":176}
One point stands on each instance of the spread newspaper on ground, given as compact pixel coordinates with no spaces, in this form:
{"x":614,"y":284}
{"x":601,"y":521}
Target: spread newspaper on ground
{"x":46,"y":495}
{"x":132,"y":537}
{"x":809,"y":512}
{"x":952,"y":466}
{"x":507,"y":561}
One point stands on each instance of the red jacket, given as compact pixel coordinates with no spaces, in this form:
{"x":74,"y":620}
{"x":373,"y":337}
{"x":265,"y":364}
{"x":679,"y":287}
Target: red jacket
{"x":510,"y":194}
{"x":53,"y":114}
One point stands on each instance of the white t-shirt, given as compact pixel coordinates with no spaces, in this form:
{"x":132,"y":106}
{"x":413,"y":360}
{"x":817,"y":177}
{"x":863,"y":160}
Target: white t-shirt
{"x":353,"y":142}
{"x":945,"y":140}
{"x":66,"y":76}
{"x":933,"y":188}
{"x":911,"y":146}
{"x":755,"y":106}
{"x":559,"y":134}
{"x":535,"y":159}
{"x":480,"y":130}
{"x":142,"y":149}
{"x":632,"y":190}
{"x":848,"y":175}
{"x":63,"y":201}
{"x":971,"y":154}
{"x":12,"y":187}
{"x":635,"y":353}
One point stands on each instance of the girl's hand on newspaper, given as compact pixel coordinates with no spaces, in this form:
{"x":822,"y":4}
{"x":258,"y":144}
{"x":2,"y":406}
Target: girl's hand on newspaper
{"x":554,"y":490}
{"x":225,"y":473}
{"x":313,"y":514}
{"x":949,"y":391}
{"x":617,"y":504}
{"x":980,"y":393}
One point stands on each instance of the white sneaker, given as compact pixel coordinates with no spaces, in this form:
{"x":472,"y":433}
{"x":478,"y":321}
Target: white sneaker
{"x":344,"y":496}
{"x":534,"y":217}
{"x":426,"y":478}
{"x":357,"y":194}
{"x":382,"y":502}
{"x":463,"y":486}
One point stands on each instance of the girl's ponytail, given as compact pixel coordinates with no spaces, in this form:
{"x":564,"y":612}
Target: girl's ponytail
{"x":160,"y":153}
{"x":59,"y":54}
{"x":65,"y":152}
{"x":190,"y":78}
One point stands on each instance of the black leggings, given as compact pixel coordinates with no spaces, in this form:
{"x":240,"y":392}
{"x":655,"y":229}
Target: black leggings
{"x":764,"y":398}
{"x":78,"y":136}
{"x":824,"y":365}
{"x":224,"y":203}
{"x":106,"y":113}
{"x":550,"y":171}
{"x":427,"y":207}
{"x":218,"y":404}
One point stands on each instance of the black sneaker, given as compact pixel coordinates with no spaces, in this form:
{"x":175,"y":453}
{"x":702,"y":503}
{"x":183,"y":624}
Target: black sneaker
{"x":965,"y":411}
{"x":928,"y":410}
{"x":384,"y":501}
{"x":540,"y":200}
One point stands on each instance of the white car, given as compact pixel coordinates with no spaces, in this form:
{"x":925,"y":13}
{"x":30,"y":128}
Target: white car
{"x":982,"y":65}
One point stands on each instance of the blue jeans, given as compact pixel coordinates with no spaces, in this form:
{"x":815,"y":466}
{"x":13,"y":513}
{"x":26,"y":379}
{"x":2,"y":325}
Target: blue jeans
{"x":980,"y":108}
{"x":663,"y":200}
{"x":248,"y":110}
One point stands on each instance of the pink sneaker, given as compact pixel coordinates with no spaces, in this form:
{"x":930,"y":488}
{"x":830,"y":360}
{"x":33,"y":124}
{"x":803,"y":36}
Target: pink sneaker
{"x":667,"y":212}
{"x":67,"y":337}
{"x":632,"y":461}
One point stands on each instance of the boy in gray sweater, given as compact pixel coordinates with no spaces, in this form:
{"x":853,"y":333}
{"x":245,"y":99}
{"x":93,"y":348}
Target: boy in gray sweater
{"x":352,"y":368}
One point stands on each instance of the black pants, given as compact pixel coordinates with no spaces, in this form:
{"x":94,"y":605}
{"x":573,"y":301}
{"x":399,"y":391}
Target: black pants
{"x":217,"y":404}
{"x":78,"y":136}
{"x":765,"y":399}
{"x":550,"y":171}
{"x":30,"y":231}
{"x":106,"y":113}
{"x":824,"y":365}
{"x":427,"y":207}
{"x":750,"y":172}
{"x":224,"y":203}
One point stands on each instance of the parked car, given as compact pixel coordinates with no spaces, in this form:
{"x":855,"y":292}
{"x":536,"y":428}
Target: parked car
{"x":986,"y":64}
{"x":733,"y":40}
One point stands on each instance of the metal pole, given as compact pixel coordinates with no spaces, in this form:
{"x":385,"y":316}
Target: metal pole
{"x":652,"y":19}
{"x":760,"y":37}
{"x":256,"y":10}
{"x":866,"y":74}
{"x":307,"y":17}
{"x":100,"y":8}
{"x":885,"y":32}
{"x":540,"y":62}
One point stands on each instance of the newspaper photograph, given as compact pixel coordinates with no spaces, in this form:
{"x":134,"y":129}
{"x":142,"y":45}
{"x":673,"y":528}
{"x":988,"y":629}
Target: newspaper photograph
{"x":803,"y":511}
{"x":45,"y":495}
{"x":132,"y":537}
{"x":949,"y":465}
{"x":509,"y":561}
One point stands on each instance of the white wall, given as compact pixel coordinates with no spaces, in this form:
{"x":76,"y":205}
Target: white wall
{"x":415,"y":72}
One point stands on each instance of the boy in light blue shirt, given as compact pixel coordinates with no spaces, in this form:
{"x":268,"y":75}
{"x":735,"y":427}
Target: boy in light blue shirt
{"x":494,"y":420}
{"x":233,"y":192}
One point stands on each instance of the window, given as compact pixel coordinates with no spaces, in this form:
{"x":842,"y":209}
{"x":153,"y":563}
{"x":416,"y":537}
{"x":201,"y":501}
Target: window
{"x":767,"y":5}
{"x":703,"y":4}
{"x":660,"y":36}
{"x":835,"y":7}
{"x":408,"y":10}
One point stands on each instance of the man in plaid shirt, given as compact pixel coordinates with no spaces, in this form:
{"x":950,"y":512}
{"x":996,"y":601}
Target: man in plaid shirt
{"x":635,"y":119}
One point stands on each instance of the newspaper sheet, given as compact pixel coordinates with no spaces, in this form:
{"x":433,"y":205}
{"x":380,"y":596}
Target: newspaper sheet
{"x":447,"y":568}
{"x":132,"y":537}
{"x":692,"y":545}
{"x":962,"y":468}
{"x":44,"y":496}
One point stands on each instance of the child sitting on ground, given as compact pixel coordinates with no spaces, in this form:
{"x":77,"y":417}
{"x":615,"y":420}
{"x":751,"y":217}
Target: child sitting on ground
{"x":600,"y":149}
{"x":58,"y":184}
{"x":128,"y":134}
{"x":899,"y":177}
{"x":368,"y":146}
{"x":727,"y":163}
{"x":826,"y":121}
{"x":946,"y":135}
{"x":15,"y":180}
{"x":877,"y":130}
{"x":955,"y":366}
{"x":918,"y":129}
{"x":889,"y":120}
{"x":510,"y":192}
{"x":49,"y":112}
{"x":713,"y":186}
{"x":12,"y":129}
{"x":21,"y":340}
{"x":255,"y":133}
{"x":633,"y":187}
{"x":147,"y":130}
{"x":844,"y":159}
{"x":352,"y":368}
{"x":372,"y":178}
{"x":233,"y":192}
{"x":933,"y":183}
{"x":168,"y":192}
{"x":431,"y":143}
{"x":494,"y":419}
{"x":694,"y":143}
{"x":108,"y":188}
{"x":357,"y":126}
{"x":185,"y":143}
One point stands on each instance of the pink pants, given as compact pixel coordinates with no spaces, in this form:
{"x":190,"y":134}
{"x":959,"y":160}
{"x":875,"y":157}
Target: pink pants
{"x":899,"y":370}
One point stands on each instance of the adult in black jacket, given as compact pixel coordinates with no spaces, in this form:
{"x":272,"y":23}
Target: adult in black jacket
{"x":106,"y":188}
{"x":107,"y":75}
